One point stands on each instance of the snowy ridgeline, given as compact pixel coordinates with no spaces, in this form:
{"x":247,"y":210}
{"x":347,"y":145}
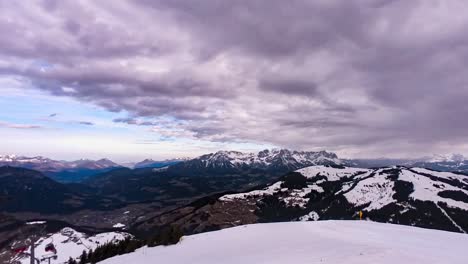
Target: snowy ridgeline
{"x":310,"y":242}
{"x":70,"y":243}
{"x":374,"y":188}
{"x":268,"y":158}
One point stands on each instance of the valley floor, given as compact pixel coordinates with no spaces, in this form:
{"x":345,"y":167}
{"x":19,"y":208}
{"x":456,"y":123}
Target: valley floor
{"x":310,"y":242}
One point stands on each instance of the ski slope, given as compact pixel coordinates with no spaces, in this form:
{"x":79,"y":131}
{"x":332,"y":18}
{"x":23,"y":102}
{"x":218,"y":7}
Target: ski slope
{"x":71,"y":243}
{"x":310,"y":242}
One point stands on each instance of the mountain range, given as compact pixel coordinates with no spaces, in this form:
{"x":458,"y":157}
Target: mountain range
{"x":399,"y":195}
{"x":83,"y":169}
{"x":447,"y":162}
{"x":59,"y":170}
{"x":267,"y":160}
{"x":45,"y":164}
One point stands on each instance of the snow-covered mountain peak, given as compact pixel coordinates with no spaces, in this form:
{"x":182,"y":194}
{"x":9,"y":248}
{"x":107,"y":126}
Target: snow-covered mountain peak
{"x":268,"y":158}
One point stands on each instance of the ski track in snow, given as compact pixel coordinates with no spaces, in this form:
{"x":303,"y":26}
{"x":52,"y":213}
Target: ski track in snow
{"x":451,"y":220}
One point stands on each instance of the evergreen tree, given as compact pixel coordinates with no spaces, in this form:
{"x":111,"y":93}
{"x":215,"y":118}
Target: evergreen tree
{"x":83,"y":257}
{"x":167,"y":236}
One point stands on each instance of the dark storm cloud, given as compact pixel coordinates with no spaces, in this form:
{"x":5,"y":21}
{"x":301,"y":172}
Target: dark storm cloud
{"x":268,"y":28}
{"x":374,"y":76}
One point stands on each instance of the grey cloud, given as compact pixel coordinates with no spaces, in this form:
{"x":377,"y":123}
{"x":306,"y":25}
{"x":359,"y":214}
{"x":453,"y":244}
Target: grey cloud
{"x":133,"y":121}
{"x":130,"y":121}
{"x":86,"y":123}
{"x":374,"y":77}
{"x":298,"y":87}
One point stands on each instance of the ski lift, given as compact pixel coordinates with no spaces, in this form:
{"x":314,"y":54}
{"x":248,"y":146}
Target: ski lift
{"x":50,"y":248}
{"x":19,"y":250}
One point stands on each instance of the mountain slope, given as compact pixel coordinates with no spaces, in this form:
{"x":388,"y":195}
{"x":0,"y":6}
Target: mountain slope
{"x":149,"y":163}
{"x":26,"y":190}
{"x":311,"y":242}
{"x":71,"y":243}
{"x":411,"y":196}
{"x":400,"y":195}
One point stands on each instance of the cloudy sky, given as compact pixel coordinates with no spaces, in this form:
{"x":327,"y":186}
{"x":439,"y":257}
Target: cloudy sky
{"x":172,"y":78}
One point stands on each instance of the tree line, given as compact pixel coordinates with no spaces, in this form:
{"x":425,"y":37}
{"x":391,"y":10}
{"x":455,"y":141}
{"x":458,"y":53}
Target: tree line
{"x":167,"y":236}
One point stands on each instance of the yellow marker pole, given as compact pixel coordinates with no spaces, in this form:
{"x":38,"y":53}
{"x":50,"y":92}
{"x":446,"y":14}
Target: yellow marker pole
{"x":360,"y":215}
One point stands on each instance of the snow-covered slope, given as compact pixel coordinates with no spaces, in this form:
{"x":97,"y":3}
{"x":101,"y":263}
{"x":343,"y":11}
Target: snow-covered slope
{"x":70,"y":243}
{"x":411,"y":196}
{"x":334,"y":242}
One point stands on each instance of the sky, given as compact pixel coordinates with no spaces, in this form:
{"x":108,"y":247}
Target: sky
{"x":135,"y":79}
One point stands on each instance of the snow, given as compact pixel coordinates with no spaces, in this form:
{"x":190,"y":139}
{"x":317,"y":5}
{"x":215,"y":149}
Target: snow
{"x":265,"y":158}
{"x":36,"y":223}
{"x":451,"y":220}
{"x":312,"y":216}
{"x":326,"y":242}
{"x":118,"y":225}
{"x":294,"y":197}
{"x":424,"y":189}
{"x":46,"y":164}
{"x":372,"y":188}
{"x":297,"y":196}
{"x":332,"y":174}
{"x":267,"y":191}
{"x":445,"y":175}
{"x":377,"y":191}
{"x":70,"y":243}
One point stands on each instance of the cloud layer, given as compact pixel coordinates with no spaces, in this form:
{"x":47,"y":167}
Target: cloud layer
{"x":364,"y":77}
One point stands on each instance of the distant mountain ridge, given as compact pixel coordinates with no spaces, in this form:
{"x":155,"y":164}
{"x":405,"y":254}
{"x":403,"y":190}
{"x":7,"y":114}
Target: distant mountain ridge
{"x":45,"y":164}
{"x":60,"y":170}
{"x":445,"y":162}
{"x":274,"y":159}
